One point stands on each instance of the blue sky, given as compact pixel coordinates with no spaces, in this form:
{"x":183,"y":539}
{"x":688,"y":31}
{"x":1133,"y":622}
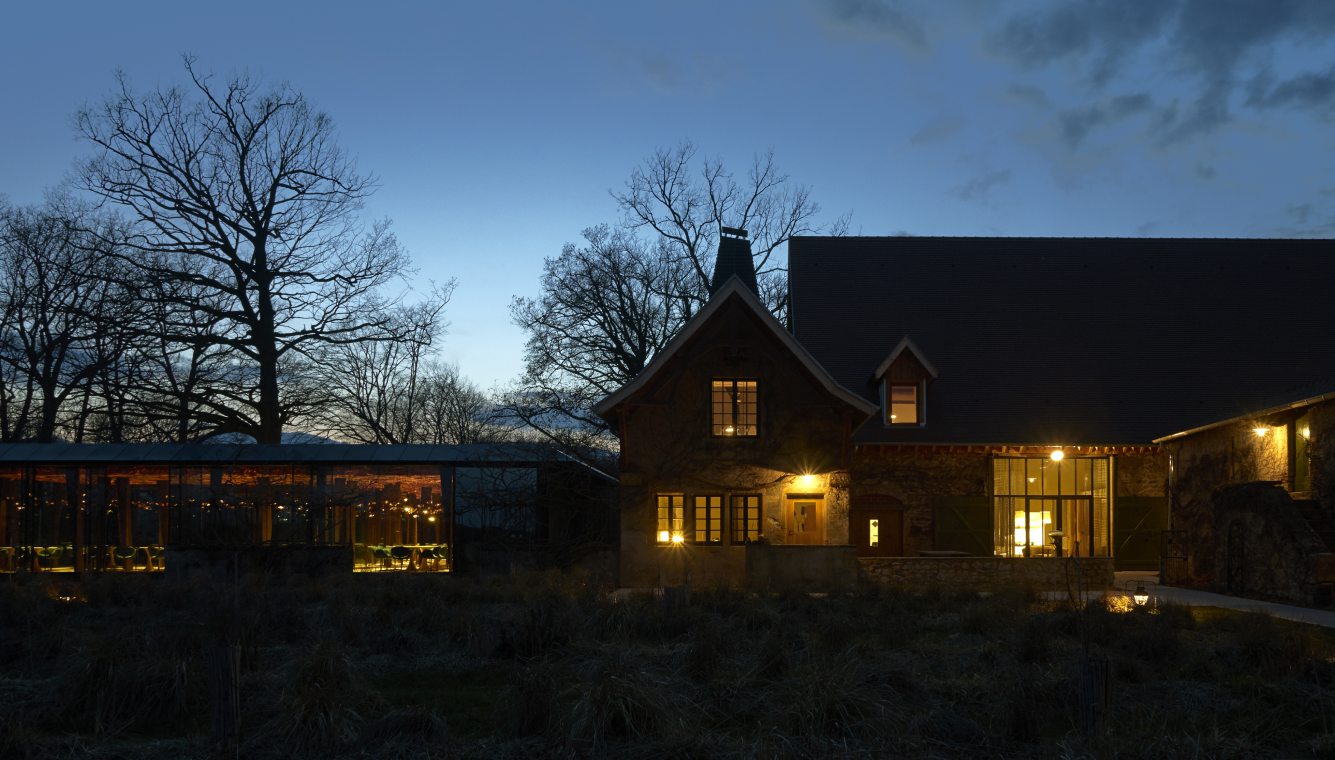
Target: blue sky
{"x":497,"y":129}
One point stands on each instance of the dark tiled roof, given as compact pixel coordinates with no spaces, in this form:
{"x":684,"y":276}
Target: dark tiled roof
{"x":470,"y":455}
{"x":1077,"y":341}
{"x":734,"y":258}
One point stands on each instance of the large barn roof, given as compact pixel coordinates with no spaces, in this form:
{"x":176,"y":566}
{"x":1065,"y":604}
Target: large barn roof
{"x":1073,"y":341}
{"x":204,"y":454}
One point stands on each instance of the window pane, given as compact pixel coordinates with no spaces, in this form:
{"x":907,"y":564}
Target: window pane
{"x":904,"y":404}
{"x":671,"y":516}
{"x":733,"y":407}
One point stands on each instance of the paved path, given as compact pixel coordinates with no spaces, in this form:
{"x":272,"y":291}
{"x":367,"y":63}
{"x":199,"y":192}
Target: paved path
{"x":1206,"y":599}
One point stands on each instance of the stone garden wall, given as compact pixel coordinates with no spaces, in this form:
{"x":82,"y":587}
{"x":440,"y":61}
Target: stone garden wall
{"x":988,"y":573}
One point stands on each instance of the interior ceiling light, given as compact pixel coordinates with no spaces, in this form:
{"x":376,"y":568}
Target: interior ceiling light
{"x":1057,"y":455}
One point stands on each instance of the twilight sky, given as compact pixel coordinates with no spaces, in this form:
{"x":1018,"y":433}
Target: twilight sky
{"x":497,"y":129}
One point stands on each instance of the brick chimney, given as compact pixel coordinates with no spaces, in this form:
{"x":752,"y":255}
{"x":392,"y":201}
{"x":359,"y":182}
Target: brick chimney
{"x":734,"y":258}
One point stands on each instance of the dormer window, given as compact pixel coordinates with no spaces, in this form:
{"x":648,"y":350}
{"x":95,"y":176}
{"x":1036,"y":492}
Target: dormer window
{"x":903,"y":377}
{"x":901,"y":405}
{"x":733,"y":407}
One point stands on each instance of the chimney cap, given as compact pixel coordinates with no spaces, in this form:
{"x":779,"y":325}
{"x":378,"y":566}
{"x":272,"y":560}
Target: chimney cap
{"x":731,"y":231}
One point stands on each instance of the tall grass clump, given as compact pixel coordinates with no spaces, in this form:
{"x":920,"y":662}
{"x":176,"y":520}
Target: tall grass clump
{"x":321,"y":703}
{"x":619,"y":700}
{"x":834,"y":698}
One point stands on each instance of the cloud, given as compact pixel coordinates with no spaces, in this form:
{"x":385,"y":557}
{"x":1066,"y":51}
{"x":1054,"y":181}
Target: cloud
{"x":873,"y":20}
{"x":1146,"y":229}
{"x":1076,"y":123}
{"x":1213,"y":42}
{"x":936,"y":130}
{"x":704,"y":73}
{"x":978,"y":188}
{"x":1028,"y":95}
{"x":1309,"y":90}
{"x":1108,"y":30}
{"x":1206,"y":173}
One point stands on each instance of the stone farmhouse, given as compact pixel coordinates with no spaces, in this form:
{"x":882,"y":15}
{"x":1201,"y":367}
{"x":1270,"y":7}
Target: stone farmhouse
{"x":985,"y":409}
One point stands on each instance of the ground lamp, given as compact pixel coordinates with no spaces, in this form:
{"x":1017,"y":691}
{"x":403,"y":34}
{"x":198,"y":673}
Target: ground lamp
{"x":1142,"y":596}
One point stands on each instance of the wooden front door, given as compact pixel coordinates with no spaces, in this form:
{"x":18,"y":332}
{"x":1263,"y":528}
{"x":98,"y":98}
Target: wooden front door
{"x":806,"y":521}
{"x":877,"y":532}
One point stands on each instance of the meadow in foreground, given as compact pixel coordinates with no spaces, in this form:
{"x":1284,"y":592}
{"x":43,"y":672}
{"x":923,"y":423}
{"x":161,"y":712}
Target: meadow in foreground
{"x":410,"y":666}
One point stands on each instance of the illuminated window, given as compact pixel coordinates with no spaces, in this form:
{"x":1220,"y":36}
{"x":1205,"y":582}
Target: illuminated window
{"x":745,"y":519}
{"x":874,"y":532}
{"x":1036,"y":497}
{"x":733,"y":404}
{"x":708,"y":519}
{"x":901,"y":404}
{"x":671,"y":518}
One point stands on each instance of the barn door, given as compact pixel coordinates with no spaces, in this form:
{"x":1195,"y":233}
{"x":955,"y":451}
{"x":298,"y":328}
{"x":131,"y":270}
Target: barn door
{"x":877,"y":532}
{"x":963,"y":524}
{"x":1138,"y":522}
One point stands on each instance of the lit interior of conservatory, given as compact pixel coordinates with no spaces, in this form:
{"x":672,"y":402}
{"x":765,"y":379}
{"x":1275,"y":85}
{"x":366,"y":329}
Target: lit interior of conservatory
{"x":120,"y":518}
{"x":1047,"y":507}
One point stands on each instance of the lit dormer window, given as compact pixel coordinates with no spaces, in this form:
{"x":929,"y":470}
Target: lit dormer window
{"x":901,"y":405}
{"x":904,"y":376}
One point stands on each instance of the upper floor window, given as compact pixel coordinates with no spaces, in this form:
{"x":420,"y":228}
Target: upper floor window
{"x":901,"y":407}
{"x":733,"y":404}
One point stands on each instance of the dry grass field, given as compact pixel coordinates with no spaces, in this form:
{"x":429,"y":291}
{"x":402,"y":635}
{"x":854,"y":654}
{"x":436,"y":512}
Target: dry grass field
{"x":413,"y":666}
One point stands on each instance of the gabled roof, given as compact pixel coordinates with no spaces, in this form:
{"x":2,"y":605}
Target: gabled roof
{"x":1295,"y":398}
{"x":1075,"y":341}
{"x":905,"y":344}
{"x":735,"y":287}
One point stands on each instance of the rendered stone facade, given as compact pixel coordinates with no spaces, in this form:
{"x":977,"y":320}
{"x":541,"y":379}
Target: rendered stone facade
{"x":1263,"y":545}
{"x":668,"y":448}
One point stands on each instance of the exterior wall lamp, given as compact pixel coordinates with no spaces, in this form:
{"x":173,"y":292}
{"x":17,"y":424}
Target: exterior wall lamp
{"x":1057,"y":455}
{"x":1260,"y":431}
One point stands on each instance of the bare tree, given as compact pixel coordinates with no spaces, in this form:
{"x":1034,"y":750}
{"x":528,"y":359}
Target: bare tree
{"x":604,"y":312}
{"x":607,"y":309}
{"x":247,"y":219}
{"x":452,"y":409}
{"x":57,"y":315}
{"x":373,"y":388}
{"x":684,"y":204}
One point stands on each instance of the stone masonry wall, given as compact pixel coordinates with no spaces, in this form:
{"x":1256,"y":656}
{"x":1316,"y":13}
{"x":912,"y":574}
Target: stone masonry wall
{"x":914,"y":478}
{"x":1209,"y":460}
{"x":988,"y":573}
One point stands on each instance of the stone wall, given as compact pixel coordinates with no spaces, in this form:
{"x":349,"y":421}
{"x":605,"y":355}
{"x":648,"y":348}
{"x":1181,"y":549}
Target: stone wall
{"x":1263,"y":546}
{"x":988,"y":573}
{"x":914,"y":478}
{"x":669,"y":448}
{"x":809,"y":568}
{"x":1234,"y":454}
{"x":1144,"y":474}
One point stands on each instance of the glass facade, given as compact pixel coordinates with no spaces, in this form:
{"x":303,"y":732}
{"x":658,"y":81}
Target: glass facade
{"x":1036,"y":497}
{"x":120,"y":517}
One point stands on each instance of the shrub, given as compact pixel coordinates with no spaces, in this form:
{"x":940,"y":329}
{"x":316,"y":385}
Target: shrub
{"x":835,"y":699}
{"x":413,"y":729}
{"x":319,"y":706}
{"x":619,"y":700}
{"x":545,"y":623}
{"x":1266,"y":646}
{"x":531,"y":702}
{"x":1033,"y":643}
